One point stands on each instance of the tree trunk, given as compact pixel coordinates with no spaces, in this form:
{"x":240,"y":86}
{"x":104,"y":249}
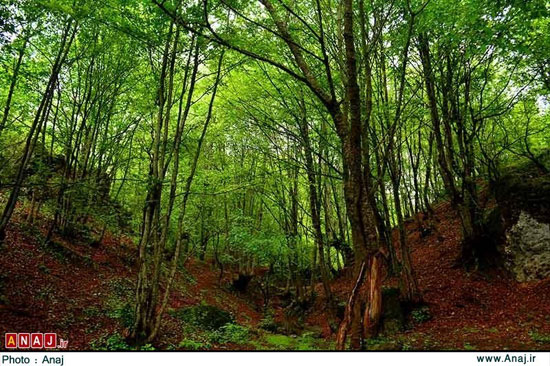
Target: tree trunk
{"x":13,"y":84}
{"x":40,"y":118}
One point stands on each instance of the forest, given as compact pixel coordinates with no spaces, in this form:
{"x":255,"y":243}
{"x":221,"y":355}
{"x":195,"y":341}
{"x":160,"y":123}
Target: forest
{"x":276,"y":174}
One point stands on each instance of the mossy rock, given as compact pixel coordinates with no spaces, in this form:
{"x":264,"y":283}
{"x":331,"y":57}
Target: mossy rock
{"x":205,"y":316}
{"x":523,"y":188}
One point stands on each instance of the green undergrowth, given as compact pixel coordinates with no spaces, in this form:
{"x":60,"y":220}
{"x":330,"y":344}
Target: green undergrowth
{"x":119,"y":305}
{"x":386,"y":344}
{"x":207,"y":327}
{"x":204,"y":316}
{"x":115,"y":342}
{"x":307,"y":341}
{"x":540,"y":337}
{"x":231,"y":333}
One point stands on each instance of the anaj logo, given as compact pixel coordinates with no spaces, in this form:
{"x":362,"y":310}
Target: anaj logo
{"x":33,"y":340}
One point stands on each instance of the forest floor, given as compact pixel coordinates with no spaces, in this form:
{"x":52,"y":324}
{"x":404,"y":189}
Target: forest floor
{"x":470,"y":310}
{"x":85,"y":295}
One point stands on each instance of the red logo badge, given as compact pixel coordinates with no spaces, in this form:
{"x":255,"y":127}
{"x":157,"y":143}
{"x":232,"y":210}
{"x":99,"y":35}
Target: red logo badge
{"x":24,"y":340}
{"x":50,"y":340}
{"x":11,"y":340}
{"x":37,"y":340}
{"x":34,"y":340}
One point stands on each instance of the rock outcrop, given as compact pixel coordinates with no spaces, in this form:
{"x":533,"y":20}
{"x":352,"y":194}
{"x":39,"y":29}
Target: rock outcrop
{"x":527,"y":248}
{"x":523,"y":199}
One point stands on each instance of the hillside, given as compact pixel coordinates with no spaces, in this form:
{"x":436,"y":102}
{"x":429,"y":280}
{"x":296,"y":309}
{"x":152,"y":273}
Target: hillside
{"x":84,"y":294}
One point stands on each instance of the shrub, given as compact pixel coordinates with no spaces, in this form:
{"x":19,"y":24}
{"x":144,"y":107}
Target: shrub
{"x":540,"y":338}
{"x":268,"y":323}
{"x":122,"y":287}
{"x":280,"y":341}
{"x":115,"y":342}
{"x":124,"y":312}
{"x":91,"y":312}
{"x":305,"y":342}
{"x":230,"y":333}
{"x":382,"y":344}
{"x":191,"y":344}
{"x":205,"y":316}
{"x":421,"y":315}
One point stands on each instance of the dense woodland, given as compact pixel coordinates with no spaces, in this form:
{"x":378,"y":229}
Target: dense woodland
{"x":287,"y":144}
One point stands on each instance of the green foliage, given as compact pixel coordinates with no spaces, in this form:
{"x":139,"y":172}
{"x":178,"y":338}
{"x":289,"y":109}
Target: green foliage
{"x":540,"y":337}
{"x":91,"y":312}
{"x":382,"y":344}
{"x":115,"y":342}
{"x":190,"y":344}
{"x":119,"y":305}
{"x":43,"y":268}
{"x":421,"y":315}
{"x":265,"y":245}
{"x":268,"y":323}
{"x":120,"y":308}
{"x":231,"y":333}
{"x":204,"y":316}
{"x":122,"y":287}
{"x":279,"y":341}
{"x":406,"y":346}
{"x":305,"y":342}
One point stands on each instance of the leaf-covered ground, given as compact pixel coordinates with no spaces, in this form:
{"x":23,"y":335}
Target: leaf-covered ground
{"x":469,"y":309}
{"x":84,"y":294}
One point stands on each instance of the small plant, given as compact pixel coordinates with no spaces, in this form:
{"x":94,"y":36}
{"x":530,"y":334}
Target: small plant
{"x":231,"y":333}
{"x":91,"y":311}
{"x":471,"y":330}
{"x":190,"y":344}
{"x":204,"y":316}
{"x":43,"y":268}
{"x":279,"y":341}
{"x":430,"y":343}
{"x":116,"y":342}
{"x":540,"y":338}
{"x":45,"y":292}
{"x":381,"y":344}
{"x":305,"y":342}
{"x":121,"y":287}
{"x":421,"y":315}
{"x":268,"y":323}
{"x":123,"y":311}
